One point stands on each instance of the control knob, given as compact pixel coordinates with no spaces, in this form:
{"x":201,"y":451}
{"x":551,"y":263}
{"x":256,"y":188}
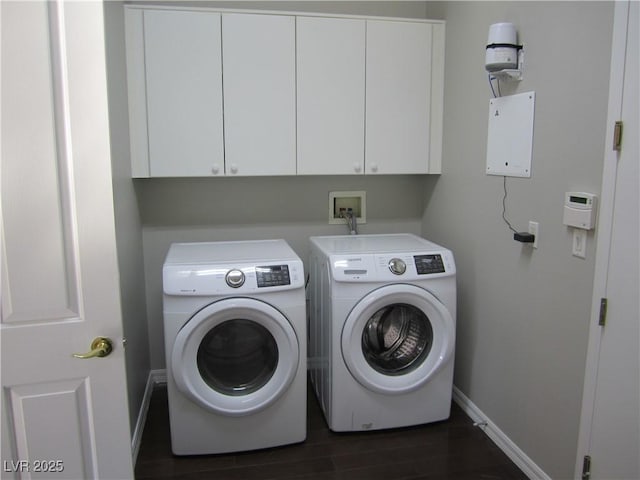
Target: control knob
{"x":397,"y":266}
{"x":234,"y":278}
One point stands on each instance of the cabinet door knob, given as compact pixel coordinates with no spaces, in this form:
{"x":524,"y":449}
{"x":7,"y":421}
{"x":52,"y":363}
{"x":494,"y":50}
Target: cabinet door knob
{"x":357,"y":167}
{"x":215,"y":169}
{"x":374,"y":167}
{"x":234,"y":168}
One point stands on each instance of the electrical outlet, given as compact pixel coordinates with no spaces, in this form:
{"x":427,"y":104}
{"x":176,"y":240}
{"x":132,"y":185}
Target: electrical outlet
{"x":534,"y":228}
{"x":579,"y":245}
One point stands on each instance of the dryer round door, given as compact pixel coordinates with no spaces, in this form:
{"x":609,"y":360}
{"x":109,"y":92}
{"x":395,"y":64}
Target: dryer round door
{"x":396,"y":338}
{"x":235,"y":357}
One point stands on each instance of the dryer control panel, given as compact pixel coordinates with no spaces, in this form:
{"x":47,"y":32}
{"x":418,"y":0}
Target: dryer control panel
{"x":429,"y":264}
{"x":240,"y":278}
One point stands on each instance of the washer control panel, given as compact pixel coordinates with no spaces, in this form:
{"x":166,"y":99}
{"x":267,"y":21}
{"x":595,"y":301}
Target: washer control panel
{"x":392,"y":267}
{"x":241,"y":278}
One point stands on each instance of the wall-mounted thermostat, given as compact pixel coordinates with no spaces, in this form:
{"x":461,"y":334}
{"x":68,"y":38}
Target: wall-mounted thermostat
{"x":580,"y":210}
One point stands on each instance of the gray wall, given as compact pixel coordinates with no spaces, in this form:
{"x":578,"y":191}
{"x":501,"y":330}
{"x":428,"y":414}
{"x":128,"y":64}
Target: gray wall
{"x":523,"y":314}
{"x":128,"y":227}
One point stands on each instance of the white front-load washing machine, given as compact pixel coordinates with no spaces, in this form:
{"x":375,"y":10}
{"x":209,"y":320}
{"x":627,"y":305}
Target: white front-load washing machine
{"x":235,"y":340}
{"x":382,"y":330}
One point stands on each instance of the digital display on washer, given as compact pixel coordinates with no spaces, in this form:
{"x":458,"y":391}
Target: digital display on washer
{"x":273,"y":276}
{"x":428,"y":264}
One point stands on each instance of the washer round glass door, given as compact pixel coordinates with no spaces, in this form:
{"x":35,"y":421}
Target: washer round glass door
{"x":396,"y":338}
{"x":235,"y":356}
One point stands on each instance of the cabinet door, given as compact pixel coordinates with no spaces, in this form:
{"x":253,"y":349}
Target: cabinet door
{"x":184,"y":92}
{"x":398,"y":97}
{"x":330,"y":80}
{"x":259,"y":94}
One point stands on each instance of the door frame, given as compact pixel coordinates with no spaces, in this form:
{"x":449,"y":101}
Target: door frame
{"x":605,"y":226}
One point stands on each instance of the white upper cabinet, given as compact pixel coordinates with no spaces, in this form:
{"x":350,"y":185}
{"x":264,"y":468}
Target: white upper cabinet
{"x":378,"y":112}
{"x":259,"y":94}
{"x":234,"y":93}
{"x":183,"y":92}
{"x":403,"y":97}
{"x":331,"y":92}
{"x":177,"y":63}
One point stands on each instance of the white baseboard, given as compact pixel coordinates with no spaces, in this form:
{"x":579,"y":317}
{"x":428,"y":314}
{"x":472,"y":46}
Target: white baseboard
{"x":156,"y":377}
{"x":159,"y":377}
{"x":498,"y":437}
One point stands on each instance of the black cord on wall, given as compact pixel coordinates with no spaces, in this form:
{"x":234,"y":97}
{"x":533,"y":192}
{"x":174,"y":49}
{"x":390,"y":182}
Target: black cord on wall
{"x":504,"y":206}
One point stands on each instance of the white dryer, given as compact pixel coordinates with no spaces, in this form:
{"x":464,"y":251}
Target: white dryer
{"x":382,"y":330}
{"x":235,"y":340}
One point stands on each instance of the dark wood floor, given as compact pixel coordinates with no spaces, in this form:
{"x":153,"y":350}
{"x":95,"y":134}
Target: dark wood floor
{"x":452,"y":449}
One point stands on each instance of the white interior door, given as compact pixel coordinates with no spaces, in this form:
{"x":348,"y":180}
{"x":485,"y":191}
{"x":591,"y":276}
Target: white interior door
{"x":610,"y":424}
{"x":62,"y":417}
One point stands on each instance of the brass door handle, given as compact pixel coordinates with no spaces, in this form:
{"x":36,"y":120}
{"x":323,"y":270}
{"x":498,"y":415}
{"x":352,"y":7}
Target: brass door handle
{"x":100,"y":347}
